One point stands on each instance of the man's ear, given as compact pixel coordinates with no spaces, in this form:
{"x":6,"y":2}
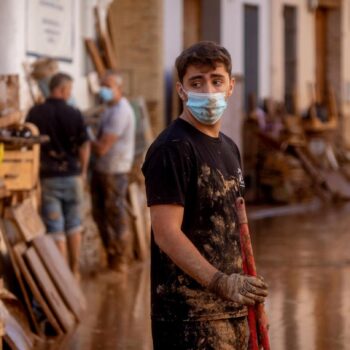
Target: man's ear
{"x":231,"y":86}
{"x":180,"y":91}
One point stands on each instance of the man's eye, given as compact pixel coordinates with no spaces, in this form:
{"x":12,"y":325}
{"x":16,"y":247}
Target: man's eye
{"x":217,"y":82}
{"x":196,"y":84}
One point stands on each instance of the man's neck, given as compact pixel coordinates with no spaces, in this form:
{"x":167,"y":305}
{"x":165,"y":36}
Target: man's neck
{"x":210,"y":130}
{"x":115,"y":101}
{"x":56,"y":96}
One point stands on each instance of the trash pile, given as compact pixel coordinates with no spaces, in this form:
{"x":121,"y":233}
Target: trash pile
{"x":293,"y":157}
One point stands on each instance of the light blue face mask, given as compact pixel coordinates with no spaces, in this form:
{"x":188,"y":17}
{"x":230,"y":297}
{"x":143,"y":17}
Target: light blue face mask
{"x":207,"y":108}
{"x":106,"y":94}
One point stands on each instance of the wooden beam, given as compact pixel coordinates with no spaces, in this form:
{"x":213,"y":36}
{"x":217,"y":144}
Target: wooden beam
{"x":95,"y":57}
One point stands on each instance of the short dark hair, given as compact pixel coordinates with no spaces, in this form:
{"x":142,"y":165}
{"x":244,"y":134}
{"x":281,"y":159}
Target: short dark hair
{"x":203,"y":53}
{"x":58,"y":80}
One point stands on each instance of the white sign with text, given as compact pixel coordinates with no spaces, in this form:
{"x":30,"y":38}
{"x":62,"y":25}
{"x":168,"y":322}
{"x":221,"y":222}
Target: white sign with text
{"x":50,"y":28}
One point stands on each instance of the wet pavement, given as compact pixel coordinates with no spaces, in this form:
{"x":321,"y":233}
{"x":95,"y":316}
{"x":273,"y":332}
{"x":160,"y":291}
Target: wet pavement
{"x":118,"y":316}
{"x":306,"y":261}
{"x":304,"y":258}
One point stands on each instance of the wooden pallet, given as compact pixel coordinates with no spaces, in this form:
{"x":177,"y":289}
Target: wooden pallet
{"x":20,"y":167}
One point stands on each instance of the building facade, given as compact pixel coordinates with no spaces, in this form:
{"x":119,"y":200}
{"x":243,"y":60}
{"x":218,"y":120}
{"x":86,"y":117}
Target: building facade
{"x":280,"y":49}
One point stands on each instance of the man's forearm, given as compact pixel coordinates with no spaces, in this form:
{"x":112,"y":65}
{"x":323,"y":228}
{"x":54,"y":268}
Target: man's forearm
{"x":186,"y":256}
{"x":101,"y":146}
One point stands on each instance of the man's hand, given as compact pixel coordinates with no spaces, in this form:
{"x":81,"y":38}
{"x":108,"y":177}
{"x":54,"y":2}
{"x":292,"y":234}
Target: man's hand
{"x":241,"y":289}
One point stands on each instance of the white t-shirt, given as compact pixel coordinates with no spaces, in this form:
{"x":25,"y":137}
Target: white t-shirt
{"x":119,"y":120}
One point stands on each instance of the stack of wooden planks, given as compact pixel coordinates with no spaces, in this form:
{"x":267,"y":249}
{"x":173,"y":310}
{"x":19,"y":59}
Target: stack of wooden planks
{"x":53,"y":298}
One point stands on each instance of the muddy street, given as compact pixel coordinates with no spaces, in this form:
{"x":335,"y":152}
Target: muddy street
{"x":306,"y":261}
{"x":304,"y":258}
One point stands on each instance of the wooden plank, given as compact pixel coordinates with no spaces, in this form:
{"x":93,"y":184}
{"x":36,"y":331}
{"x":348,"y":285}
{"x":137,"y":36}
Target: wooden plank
{"x":104,"y":38}
{"x":18,"y":251}
{"x":18,"y":155}
{"x":28,"y":220}
{"x":142,"y":244}
{"x":61,"y":275}
{"x":17,"y":270}
{"x":95,"y":57}
{"x":14,"y":334}
{"x":64,"y":316}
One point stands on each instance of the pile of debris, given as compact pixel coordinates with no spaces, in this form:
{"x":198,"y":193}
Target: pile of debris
{"x":293,"y":157}
{"x":53,"y":299}
{"x":45,"y":300}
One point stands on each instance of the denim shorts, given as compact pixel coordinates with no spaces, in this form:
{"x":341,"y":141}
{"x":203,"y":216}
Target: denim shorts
{"x":61,"y":204}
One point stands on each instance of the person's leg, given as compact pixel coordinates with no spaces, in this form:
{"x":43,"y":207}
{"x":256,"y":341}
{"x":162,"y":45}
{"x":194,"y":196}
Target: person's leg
{"x":74,"y":248}
{"x":51,"y":212}
{"x":116,"y":218}
{"x":61,"y":244}
{"x":97,"y":188}
{"x":72,"y":210}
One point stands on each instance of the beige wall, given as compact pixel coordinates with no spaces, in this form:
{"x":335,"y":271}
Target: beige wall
{"x":137,"y":32}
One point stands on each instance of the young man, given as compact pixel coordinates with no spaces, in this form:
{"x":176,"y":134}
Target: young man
{"x":114,"y":149}
{"x":193,"y":175}
{"x":63,"y":166}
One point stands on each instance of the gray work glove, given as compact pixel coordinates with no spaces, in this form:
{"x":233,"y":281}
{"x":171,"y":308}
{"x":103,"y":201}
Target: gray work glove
{"x":238,"y":288}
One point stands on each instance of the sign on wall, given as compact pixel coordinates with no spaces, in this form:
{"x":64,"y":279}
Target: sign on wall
{"x":50,"y":30}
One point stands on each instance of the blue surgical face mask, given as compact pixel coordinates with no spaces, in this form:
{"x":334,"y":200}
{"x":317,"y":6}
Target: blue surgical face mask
{"x":106,"y":94}
{"x":207,"y":108}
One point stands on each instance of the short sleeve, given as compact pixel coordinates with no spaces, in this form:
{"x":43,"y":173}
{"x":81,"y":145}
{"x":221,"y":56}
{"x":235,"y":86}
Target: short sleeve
{"x":117,"y":122}
{"x":167,"y":170}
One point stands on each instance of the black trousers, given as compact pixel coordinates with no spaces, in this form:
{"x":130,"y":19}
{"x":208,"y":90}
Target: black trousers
{"x":226,"y":334}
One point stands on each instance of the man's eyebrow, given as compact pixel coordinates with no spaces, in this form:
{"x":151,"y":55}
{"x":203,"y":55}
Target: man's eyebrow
{"x":214,"y":75}
{"x":217,"y":75}
{"x":196,"y":77}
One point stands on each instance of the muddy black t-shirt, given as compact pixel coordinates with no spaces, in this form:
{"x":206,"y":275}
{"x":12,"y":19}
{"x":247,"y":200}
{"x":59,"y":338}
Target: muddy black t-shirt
{"x":203,"y":174}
